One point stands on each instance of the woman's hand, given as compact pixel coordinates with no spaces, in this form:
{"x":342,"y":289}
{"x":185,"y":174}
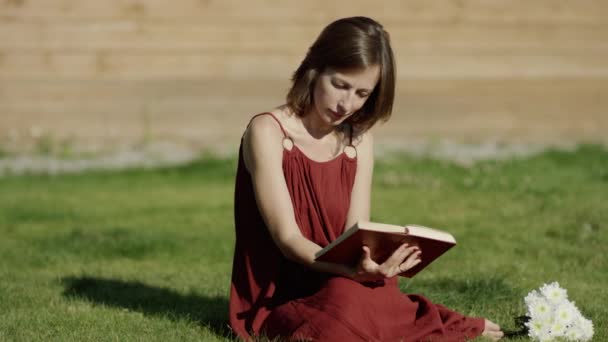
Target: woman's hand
{"x":402,"y":259}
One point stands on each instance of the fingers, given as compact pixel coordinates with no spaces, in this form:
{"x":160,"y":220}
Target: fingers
{"x":411,"y":261}
{"x":366,"y":258}
{"x":401,"y":253}
{"x":366,"y":264}
{"x":367,"y":270}
{"x":402,"y":259}
{"x":366,"y":253}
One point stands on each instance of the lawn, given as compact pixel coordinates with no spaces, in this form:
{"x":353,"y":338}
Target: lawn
{"x":145,"y":255}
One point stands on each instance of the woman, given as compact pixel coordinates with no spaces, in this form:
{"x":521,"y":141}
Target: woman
{"x":305,"y":174}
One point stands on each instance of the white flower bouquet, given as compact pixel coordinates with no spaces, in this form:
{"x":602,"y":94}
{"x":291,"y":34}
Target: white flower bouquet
{"x":552,"y":317}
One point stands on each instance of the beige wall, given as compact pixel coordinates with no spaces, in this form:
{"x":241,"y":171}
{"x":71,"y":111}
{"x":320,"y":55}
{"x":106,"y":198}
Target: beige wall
{"x":116,"y":71}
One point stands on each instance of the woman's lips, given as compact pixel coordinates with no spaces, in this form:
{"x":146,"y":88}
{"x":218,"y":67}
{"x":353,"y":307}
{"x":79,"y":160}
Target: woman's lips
{"x":336,"y":115}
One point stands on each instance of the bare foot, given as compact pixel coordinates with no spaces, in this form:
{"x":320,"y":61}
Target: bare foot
{"x":492,"y":331}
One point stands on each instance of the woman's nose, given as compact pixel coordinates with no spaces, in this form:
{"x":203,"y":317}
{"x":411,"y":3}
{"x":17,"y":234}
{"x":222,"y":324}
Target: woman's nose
{"x":341,"y":108}
{"x":344,"y":104}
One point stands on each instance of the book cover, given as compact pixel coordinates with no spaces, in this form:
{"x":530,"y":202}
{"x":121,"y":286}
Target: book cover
{"x":383,"y":239}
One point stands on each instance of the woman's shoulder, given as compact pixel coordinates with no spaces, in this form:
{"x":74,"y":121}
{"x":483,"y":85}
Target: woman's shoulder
{"x":262,"y":139}
{"x":265,"y":125}
{"x":363,"y":142}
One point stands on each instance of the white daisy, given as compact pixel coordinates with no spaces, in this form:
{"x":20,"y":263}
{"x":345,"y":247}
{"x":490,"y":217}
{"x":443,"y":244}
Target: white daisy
{"x":540,"y":309}
{"x":566,"y":312}
{"x":553,"y":292}
{"x":554,"y":318}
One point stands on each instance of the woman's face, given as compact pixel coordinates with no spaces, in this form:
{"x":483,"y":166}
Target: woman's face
{"x":339,"y":94}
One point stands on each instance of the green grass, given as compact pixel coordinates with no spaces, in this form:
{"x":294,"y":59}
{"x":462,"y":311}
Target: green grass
{"x":145,"y":255}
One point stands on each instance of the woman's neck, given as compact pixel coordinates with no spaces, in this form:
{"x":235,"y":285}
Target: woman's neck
{"x":316,"y":127}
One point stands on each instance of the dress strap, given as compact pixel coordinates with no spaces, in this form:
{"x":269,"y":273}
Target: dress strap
{"x":275,"y":119}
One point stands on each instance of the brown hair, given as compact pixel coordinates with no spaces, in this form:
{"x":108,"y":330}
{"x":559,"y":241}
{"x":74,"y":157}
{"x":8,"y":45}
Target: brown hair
{"x":348,"y":43}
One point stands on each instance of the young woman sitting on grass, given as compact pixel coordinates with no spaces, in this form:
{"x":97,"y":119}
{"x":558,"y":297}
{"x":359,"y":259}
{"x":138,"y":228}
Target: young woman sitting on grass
{"x":304,"y":175}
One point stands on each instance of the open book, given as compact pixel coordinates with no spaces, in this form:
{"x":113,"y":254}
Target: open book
{"x":382,"y":240}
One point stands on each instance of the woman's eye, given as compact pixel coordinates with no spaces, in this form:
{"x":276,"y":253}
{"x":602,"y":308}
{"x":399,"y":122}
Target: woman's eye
{"x":339,"y":85}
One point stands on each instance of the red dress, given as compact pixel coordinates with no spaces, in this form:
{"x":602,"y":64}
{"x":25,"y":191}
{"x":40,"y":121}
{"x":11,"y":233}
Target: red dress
{"x":273,"y":296}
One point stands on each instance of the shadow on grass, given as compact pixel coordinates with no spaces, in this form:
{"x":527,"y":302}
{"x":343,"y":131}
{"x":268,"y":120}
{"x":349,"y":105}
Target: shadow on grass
{"x":211,"y":312}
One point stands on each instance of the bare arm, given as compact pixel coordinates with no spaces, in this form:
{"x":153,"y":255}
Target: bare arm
{"x":263,"y":156}
{"x":362,"y":189}
{"x":404,"y":257}
{"x":263,"y":152}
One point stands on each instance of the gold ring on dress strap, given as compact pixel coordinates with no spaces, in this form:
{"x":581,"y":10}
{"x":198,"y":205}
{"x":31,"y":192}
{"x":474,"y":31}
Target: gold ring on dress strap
{"x":287,"y":143}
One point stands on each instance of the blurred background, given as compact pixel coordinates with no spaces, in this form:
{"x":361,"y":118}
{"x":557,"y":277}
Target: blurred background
{"x":88,"y":75}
